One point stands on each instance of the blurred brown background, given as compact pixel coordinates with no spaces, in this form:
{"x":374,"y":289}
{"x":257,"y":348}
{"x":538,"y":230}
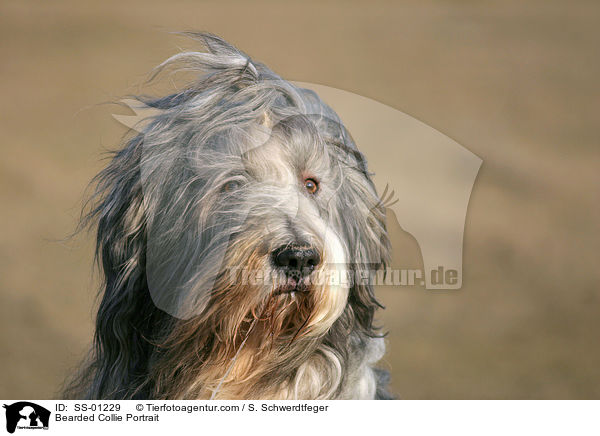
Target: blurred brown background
{"x":515,"y":82}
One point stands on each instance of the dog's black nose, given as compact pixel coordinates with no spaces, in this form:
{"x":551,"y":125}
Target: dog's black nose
{"x":295,"y":260}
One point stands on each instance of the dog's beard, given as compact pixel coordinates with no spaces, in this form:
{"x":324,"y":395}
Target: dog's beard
{"x":257,"y":327}
{"x":280,"y":309}
{"x":285,"y":306}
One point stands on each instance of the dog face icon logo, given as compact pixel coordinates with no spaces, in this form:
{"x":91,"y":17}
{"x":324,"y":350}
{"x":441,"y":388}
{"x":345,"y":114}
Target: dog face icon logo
{"x":26,"y":415}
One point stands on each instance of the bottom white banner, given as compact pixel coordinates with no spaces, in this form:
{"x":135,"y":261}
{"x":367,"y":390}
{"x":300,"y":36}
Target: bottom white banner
{"x":151,"y":417}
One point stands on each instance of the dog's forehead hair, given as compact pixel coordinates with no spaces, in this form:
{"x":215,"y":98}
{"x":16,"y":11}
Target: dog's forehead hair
{"x":270,"y":162}
{"x":283,"y":156}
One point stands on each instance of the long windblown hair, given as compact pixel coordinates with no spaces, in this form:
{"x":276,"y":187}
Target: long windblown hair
{"x":193,"y":217}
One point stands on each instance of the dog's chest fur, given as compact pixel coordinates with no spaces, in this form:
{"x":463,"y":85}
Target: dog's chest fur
{"x":320,"y":377}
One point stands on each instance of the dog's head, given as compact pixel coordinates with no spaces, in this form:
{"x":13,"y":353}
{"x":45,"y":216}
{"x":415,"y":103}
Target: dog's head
{"x":256,"y":202}
{"x":244,"y":206}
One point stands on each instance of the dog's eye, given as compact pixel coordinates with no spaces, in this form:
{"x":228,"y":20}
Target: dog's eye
{"x":231,"y":186}
{"x":311,"y":186}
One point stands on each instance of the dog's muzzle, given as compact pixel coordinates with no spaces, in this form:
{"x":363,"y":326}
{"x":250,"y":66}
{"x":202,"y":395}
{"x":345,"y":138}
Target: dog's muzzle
{"x":296,"y":263}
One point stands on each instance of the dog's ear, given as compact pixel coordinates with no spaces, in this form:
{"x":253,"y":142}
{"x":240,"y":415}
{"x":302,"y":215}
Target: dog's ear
{"x":367,"y":238}
{"x":121,"y":331}
{"x":125,"y":316}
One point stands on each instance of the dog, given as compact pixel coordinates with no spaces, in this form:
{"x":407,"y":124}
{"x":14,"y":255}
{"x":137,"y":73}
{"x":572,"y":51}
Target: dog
{"x":236,"y":235}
